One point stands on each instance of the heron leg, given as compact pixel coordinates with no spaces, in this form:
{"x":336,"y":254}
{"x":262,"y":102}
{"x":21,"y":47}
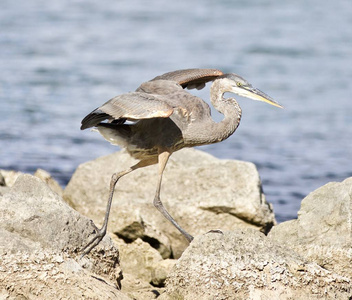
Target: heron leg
{"x":163,"y":158}
{"x":114,"y":178}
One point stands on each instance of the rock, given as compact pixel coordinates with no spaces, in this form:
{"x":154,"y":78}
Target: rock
{"x":7,"y":180}
{"x":2,"y":180}
{"x":200,"y":191}
{"x":161,"y":270}
{"x":40,"y":240}
{"x":41,"y":235}
{"x":138,"y":289}
{"x":12,"y":242}
{"x":130,"y":225}
{"x":143,"y":262}
{"x":322,"y":233}
{"x":245,"y":264}
{"x":45,"y":275}
{"x":139,"y":258}
{"x":3,"y":190}
{"x":49,"y":180}
{"x":32,"y":210}
{"x":9,"y":177}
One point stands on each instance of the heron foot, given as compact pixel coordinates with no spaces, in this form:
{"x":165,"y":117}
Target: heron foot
{"x":187,"y":236}
{"x":94,"y":241}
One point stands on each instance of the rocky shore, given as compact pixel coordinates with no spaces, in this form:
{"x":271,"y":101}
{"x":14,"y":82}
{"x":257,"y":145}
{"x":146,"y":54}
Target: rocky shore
{"x":238,"y":252}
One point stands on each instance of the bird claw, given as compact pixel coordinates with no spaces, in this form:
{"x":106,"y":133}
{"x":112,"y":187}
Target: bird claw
{"x":94,"y":241}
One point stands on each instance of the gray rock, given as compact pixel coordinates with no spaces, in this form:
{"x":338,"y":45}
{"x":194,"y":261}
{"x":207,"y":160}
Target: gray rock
{"x":322,"y":233}
{"x":13,"y":242}
{"x":32,"y":210}
{"x":9,"y":177}
{"x":200,"y":191}
{"x":49,"y":180}
{"x":40,"y":238}
{"x":244,"y":264}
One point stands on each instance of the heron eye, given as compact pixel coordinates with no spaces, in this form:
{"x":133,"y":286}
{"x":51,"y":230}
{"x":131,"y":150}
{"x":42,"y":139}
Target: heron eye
{"x":239,"y":84}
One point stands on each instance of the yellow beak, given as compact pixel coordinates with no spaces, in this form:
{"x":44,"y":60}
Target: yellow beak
{"x":255,"y":94}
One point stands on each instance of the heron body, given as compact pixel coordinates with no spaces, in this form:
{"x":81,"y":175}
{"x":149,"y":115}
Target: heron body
{"x":161,"y":117}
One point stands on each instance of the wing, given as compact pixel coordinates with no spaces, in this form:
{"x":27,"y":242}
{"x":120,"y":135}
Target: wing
{"x":191,"y":78}
{"x":147,"y":101}
{"x":130,"y":106}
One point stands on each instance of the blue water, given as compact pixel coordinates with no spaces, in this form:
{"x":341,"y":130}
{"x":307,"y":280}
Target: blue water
{"x":61,"y":59}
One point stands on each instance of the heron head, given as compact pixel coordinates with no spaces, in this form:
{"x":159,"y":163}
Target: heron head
{"x":240,"y":86}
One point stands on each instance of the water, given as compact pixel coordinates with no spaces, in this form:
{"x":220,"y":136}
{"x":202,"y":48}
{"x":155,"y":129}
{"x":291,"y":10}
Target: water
{"x":61,"y":59}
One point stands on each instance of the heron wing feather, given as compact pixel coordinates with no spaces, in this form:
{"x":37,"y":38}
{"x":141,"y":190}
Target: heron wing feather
{"x":130,"y":106}
{"x":191,"y":78}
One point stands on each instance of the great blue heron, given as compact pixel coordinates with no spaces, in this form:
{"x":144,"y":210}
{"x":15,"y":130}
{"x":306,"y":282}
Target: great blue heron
{"x":164,"y":118}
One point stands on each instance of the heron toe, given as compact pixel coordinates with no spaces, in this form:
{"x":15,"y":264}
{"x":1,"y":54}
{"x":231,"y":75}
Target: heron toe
{"x":94,"y":241}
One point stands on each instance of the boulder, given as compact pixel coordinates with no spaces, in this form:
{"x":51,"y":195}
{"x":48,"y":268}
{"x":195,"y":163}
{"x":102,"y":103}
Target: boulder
{"x":161,"y":271}
{"x":44,"y":274}
{"x":40,"y":241}
{"x":143,"y":262}
{"x":3,"y":190}
{"x":245,"y":264}
{"x":49,"y":180}
{"x":322,"y":233}
{"x":144,"y":270}
{"x":41,"y":236}
{"x":201,"y":192}
{"x":9,"y":177}
{"x":138,"y":289}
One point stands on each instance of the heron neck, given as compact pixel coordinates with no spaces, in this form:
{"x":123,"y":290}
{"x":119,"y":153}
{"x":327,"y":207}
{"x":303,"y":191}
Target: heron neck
{"x":229,"y":108}
{"x":207,"y":131}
